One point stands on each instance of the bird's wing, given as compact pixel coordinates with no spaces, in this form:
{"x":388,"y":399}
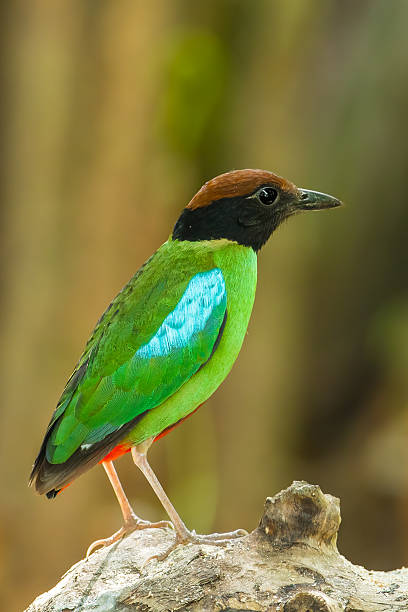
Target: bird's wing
{"x":148,"y":347}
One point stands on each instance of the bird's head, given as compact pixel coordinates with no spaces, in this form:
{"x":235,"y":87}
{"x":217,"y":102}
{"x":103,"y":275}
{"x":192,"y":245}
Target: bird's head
{"x":245,"y":206}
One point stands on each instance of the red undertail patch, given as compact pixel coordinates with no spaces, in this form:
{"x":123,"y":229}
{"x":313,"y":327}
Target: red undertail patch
{"x":122,"y":449}
{"x":118,"y":451}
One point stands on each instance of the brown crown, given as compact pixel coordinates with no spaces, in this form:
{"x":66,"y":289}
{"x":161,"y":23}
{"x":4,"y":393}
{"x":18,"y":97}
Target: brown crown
{"x":236,"y":183}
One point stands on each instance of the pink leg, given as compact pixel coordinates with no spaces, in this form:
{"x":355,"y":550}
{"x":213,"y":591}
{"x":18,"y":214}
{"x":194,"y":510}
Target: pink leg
{"x":131,"y":520}
{"x":183,"y":535}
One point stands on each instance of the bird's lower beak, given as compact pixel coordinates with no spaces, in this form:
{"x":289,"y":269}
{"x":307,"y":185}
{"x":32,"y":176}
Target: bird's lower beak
{"x":314,"y":200}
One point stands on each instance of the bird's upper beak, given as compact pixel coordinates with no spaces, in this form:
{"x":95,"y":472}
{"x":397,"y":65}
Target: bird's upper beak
{"x":314,"y":200}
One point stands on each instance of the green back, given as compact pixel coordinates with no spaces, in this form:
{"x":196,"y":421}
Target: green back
{"x":111,"y":384}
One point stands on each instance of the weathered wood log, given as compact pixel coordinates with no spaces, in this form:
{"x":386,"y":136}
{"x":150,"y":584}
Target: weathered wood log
{"x":289,"y":563}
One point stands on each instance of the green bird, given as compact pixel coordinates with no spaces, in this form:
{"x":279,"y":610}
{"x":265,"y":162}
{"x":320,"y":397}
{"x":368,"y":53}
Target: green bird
{"x":168,"y":340}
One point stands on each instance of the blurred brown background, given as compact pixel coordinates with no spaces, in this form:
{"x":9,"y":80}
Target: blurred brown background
{"x":114,"y":113}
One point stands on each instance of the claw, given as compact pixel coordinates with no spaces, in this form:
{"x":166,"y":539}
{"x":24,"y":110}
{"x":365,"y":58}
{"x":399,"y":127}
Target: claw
{"x":214,"y":537}
{"x":105,"y":542}
{"x":191,"y":537}
{"x":129,"y":527}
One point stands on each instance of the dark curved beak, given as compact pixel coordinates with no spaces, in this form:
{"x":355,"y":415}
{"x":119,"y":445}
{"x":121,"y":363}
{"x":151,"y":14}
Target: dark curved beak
{"x":314,"y":200}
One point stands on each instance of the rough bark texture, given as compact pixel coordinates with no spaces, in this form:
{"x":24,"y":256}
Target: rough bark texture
{"x":289,"y":563}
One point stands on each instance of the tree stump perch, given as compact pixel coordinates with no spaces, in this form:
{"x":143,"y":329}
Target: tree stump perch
{"x":290,"y":563}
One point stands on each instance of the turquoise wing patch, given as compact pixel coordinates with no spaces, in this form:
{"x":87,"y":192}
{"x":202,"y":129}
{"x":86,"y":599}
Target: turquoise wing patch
{"x":182,"y":344}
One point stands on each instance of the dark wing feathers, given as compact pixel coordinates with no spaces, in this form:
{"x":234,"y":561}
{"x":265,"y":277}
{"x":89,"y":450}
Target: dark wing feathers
{"x":52,"y":477}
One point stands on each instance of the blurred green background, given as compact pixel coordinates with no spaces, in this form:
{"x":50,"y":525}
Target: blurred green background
{"x":113,"y":115}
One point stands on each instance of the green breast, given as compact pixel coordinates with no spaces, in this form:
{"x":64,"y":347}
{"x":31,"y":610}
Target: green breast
{"x":239,"y":268}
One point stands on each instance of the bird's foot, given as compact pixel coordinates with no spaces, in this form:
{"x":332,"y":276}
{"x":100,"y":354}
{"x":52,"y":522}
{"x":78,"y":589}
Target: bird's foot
{"x":191,"y":537}
{"x":215,"y":537}
{"x":134,"y":523}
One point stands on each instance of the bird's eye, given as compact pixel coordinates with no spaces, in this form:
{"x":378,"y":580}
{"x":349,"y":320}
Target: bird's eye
{"x":267,"y":195}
